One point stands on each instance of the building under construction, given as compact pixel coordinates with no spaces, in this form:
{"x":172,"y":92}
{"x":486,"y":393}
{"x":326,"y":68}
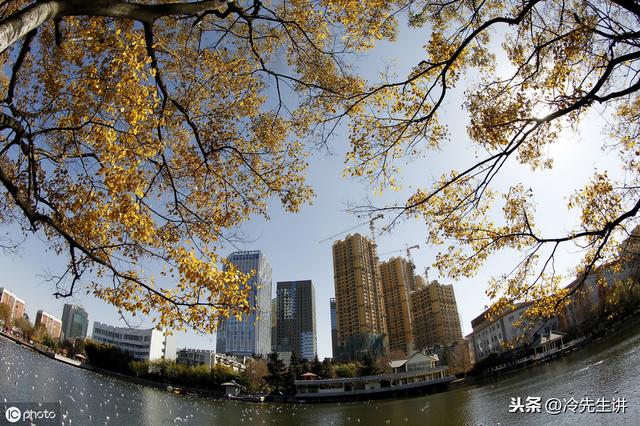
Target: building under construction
{"x":360,"y":316}
{"x":435,"y":316}
{"x":398,"y":281}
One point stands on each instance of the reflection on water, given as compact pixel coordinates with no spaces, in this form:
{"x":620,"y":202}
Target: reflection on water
{"x":609,"y":368}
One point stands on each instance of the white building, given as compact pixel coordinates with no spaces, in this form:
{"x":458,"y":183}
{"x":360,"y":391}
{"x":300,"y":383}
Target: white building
{"x":488,"y":336}
{"x":15,"y":304}
{"x":416,"y":362}
{"x":210,"y":358}
{"x":144,"y":344}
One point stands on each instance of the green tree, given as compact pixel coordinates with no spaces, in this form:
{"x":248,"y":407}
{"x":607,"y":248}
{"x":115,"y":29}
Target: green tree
{"x":317,"y":367}
{"x":346,"y":370}
{"x":39,"y":333}
{"x":50,"y":342}
{"x":295,"y":370}
{"x":458,"y":359}
{"x":295,"y":366}
{"x":221,"y":374}
{"x":276,"y":377}
{"x":255,"y":373}
{"x":25,"y":327}
{"x":5,"y":314}
{"x":621,"y":299}
{"x":369,"y":366}
{"x":108,"y":357}
{"x":139,"y":368}
{"x":328,"y":369}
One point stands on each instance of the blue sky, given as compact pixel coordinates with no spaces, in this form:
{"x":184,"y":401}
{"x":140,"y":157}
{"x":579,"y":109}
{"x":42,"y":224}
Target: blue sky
{"x":291,"y":241}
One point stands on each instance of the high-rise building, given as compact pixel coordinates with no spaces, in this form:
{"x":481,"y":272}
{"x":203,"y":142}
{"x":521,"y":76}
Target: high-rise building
{"x":143,"y":344}
{"x":334,"y":331}
{"x":360,"y":318}
{"x":75,"y":321}
{"x":296,"y":323}
{"x":420,"y":282}
{"x":15,"y":304}
{"x":252,"y":333}
{"x":435,"y":316}
{"x":52,"y":324}
{"x":274,"y":321}
{"x":397,"y":277}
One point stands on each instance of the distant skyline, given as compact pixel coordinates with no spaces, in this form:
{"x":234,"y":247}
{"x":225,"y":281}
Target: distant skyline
{"x":291,"y":241}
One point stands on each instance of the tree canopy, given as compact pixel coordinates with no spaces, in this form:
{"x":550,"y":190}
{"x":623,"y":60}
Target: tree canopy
{"x":134,"y":132}
{"x":565,"y":59}
{"x":144,"y":131}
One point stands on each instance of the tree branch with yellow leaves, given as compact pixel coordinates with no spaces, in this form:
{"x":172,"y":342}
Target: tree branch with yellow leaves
{"x":564,"y":57}
{"x":138,"y":135}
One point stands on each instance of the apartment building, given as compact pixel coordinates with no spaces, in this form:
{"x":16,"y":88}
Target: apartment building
{"x":360,"y":317}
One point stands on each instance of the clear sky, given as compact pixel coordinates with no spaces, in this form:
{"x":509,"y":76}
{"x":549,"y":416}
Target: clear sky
{"x":291,"y":241}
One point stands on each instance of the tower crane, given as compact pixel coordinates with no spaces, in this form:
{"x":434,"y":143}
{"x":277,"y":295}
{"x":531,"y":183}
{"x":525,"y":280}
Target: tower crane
{"x":408,"y":250}
{"x":370,"y":221}
{"x":372,"y":225}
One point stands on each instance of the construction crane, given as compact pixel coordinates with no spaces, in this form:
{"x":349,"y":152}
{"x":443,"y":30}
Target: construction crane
{"x":369,"y":221}
{"x":372,"y":225}
{"x":408,"y":249}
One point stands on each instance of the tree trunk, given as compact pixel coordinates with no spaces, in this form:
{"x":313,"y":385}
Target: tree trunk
{"x":20,"y":23}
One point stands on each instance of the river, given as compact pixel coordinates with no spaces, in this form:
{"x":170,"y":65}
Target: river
{"x":609,"y":368}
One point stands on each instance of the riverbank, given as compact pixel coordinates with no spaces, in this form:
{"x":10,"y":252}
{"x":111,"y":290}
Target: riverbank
{"x":608,"y":368}
{"x":493,"y":376}
{"x":505,"y":369}
{"x":131,"y":379}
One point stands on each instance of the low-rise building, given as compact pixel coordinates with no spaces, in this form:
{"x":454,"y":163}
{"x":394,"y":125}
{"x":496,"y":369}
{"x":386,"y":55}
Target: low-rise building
{"x":210,"y":358}
{"x":418,"y":361}
{"x":51,"y":324}
{"x":143,"y":344}
{"x":417,"y":372}
{"x":15,"y":304}
{"x":489,"y":336}
{"x":587,"y":302}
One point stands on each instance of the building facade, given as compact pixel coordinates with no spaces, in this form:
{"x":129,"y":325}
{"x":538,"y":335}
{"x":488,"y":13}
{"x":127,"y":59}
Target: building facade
{"x":419,"y":372}
{"x":252,"y":333}
{"x":296,"y":319}
{"x":274,"y":322}
{"x":193,"y":357}
{"x":75,"y":321}
{"x":143,"y":344}
{"x":360,"y":319}
{"x":489,"y":336}
{"x":15,"y":304}
{"x":435,"y":316}
{"x":50,"y":323}
{"x":398,"y":280}
{"x":587,"y":302}
{"x":334,"y":331}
